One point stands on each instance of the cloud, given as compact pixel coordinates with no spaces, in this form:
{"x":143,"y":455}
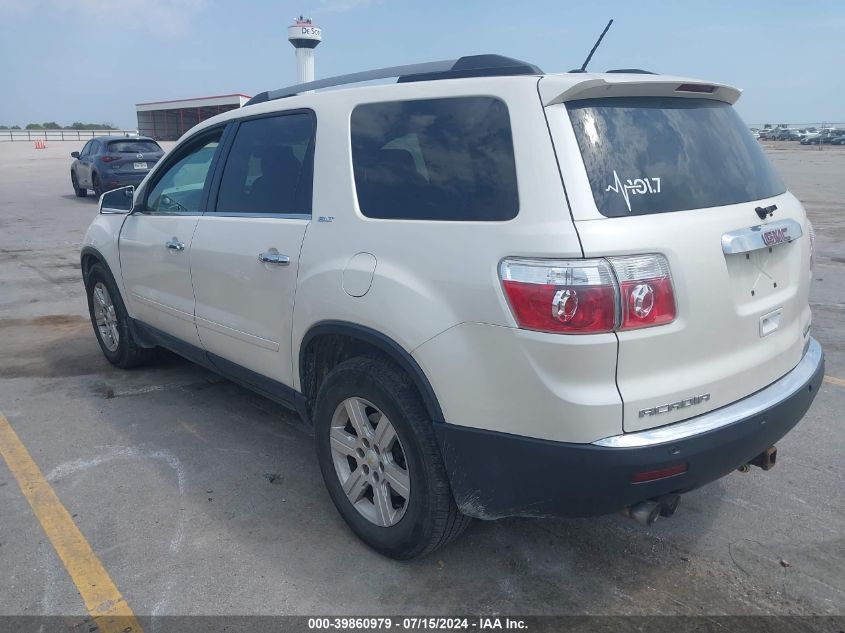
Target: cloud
{"x":164,"y":19}
{"x":338,"y":6}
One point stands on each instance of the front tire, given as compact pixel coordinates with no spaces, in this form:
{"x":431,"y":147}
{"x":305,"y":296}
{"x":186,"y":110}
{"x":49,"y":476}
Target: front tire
{"x":380,"y":460}
{"x":111,"y":321}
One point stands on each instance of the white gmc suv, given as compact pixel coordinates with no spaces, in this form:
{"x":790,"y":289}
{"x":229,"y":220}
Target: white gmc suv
{"x":492,"y":291}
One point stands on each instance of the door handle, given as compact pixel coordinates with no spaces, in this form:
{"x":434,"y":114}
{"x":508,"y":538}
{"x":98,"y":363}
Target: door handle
{"x":274,"y":258}
{"x":175,"y":244}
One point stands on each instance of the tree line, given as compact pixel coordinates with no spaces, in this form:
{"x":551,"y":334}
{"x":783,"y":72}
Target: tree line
{"x":52,"y":125}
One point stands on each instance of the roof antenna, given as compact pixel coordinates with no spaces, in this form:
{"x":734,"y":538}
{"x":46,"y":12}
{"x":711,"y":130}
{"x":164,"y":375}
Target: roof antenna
{"x":583,"y":68}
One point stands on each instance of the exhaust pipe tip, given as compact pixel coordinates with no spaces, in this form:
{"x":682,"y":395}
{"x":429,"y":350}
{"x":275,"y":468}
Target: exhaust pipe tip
{"x":647,"y":512}
{"x":644,"y":512}
{"x":668,"y":504}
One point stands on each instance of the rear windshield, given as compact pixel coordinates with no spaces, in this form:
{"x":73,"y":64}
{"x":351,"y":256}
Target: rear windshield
{"x":134,"y":147}
{"x":658,"y":154}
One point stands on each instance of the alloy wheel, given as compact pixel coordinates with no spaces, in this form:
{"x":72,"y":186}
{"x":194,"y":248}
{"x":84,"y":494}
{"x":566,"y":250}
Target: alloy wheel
{"x":370,"y":462}
{"x":106,"y":316}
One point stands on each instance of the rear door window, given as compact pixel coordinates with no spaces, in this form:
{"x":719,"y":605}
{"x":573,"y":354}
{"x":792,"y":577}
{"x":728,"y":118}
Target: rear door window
{"x":657,"y":154}
{"x":435,"y":159}
{"x":269,"y":168}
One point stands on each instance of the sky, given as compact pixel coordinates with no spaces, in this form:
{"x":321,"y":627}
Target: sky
{"x":92,"y":60}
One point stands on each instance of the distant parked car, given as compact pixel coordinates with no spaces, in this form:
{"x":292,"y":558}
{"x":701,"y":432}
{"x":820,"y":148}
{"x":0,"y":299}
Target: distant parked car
{"x":109,"y":162}
{"x":824,"y":137}
{"x":784,"y":134}
{"x":838,"y":140}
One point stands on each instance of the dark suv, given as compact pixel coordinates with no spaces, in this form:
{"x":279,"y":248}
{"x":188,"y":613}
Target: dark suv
{"x":109,"y":162}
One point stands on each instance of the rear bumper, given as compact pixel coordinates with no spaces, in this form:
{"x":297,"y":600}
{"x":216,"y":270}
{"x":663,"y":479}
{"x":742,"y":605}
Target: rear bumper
{"x":495,"y":475}
{"x":114,"y":181}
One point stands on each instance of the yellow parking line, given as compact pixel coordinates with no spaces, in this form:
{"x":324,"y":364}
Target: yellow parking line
{"x":833,"y":380}
{"x":102,"y":599}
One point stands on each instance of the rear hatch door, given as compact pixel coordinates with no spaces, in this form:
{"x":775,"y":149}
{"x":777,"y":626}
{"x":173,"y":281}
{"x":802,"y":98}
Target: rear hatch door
{"x":683,"y":176}
{"x":134,"y":155}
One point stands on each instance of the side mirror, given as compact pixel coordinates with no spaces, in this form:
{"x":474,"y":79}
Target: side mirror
{"x":118,"y":201}
{"x":74,"y":154}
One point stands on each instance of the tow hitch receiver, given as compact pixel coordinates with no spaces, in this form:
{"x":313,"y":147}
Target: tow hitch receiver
{"x":766,"y":460}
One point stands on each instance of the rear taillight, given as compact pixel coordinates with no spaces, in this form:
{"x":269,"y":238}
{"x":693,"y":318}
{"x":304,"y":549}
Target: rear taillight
{"x":573,"y":296}
{"x":589,"y":296}
{"x":109,"y":159}
{"x":645,"y":287}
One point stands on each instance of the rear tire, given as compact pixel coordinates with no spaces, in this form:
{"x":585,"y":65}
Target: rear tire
{"x":111,"y":321}
{"x":426,"y":517}
{"x":80,"y":192}
{"x":98,"y":188}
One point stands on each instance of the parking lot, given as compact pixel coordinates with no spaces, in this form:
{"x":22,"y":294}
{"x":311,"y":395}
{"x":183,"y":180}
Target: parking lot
{"x":200,"y":497}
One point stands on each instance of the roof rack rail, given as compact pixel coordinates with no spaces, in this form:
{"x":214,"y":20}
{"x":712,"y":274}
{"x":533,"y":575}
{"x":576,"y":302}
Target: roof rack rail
{"x":631,"y":71}
{"x":467,"y":66}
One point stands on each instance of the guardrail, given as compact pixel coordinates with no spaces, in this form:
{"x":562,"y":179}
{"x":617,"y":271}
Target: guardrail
{"x":60,"y":135}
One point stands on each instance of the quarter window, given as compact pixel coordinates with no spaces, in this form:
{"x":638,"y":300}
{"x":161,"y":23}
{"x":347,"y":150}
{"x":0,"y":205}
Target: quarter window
{"x":435,"y":159}
{"x":179,"y":190}
{"x":269,"y":168}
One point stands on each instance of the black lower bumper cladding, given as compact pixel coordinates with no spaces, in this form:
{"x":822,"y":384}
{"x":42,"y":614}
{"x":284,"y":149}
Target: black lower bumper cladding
{"x":496,"y":475}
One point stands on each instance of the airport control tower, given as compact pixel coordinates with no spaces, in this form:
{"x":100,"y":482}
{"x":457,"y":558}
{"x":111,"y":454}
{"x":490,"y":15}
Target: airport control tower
{"x":304,"y":36}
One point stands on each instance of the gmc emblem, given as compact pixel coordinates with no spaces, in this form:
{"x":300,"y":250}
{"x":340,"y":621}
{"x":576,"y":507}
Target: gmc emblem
{"x":776,"y":236}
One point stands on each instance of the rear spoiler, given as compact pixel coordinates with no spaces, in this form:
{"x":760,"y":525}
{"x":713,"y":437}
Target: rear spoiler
{"x":567,"y":87}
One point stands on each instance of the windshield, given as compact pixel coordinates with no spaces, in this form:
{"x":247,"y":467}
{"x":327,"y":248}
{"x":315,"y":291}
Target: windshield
{"x":658,"y":154}
{"x":134,"y":147}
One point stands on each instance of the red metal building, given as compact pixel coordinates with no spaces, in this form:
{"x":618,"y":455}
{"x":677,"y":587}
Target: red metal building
{"x":168,"y":120}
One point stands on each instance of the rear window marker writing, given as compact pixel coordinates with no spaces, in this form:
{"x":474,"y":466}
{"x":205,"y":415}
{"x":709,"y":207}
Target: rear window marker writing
{"x":633,"y":187}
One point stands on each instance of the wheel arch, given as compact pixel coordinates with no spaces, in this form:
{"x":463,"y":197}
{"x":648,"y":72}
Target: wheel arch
{"x":360,"y":340}
{"x":90,"y":256}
